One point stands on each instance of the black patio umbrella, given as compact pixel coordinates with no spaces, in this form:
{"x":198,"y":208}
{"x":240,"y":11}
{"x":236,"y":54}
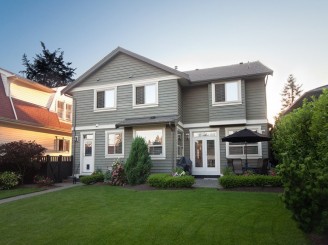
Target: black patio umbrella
{"x":245,"y":136}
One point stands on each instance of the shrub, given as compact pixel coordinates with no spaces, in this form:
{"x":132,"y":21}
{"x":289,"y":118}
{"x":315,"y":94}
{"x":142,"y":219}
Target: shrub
{"x":300,"y":143}
{"x":178,"y":171}
{"x":18,"y":155}
{"x":138,"y":164}
{"x":169,"y":181}
{"x":92,"y":179}
{"x":107,"y":176}
{"x":43,"y":181}
{"x":9,"y":180}
{"x":118,"y":176}
{"x":231,"y":181}
{"x":228,"y":171}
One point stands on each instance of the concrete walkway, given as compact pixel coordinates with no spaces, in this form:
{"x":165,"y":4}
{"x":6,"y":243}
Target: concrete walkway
{"x":59,"y":187}
{"x":207,"y":183}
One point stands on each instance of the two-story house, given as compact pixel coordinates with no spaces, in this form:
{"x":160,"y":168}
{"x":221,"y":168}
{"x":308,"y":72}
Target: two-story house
{"x":32,"y":112}
{"x":178,"y":113}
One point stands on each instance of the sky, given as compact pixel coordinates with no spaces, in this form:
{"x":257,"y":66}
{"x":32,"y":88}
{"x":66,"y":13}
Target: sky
{"x":290,"y":37}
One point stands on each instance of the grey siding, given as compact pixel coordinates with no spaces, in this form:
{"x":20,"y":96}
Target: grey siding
{"x":85,"y":115}
{"x":195,"y":104}
{"x":121,"y":68}
{"x":180,"y":103}
{"x":256,"y":107}
{"x":227,"y":112}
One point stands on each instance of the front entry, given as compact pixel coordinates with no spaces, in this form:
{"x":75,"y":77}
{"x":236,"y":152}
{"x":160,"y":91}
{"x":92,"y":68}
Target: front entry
{"x":87,"y":152}
{"x":205,"y":152}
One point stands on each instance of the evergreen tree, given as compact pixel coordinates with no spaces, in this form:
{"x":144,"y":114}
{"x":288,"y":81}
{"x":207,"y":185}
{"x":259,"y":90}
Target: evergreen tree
{"x":48,"y":68}
{"x":138,"y":165}
{"x":290,"y":92}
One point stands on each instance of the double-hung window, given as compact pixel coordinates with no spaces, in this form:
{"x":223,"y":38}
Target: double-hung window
{"x":64,"y":110}
{"x":238,"y":150}
{"x":155,"y":139}
{"x":105,"y":99}
{"x":145,"y":95}
{"x":224,"y":93}
{"x":114,"y":146}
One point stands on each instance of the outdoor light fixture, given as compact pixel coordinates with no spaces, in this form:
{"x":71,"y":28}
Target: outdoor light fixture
{"x":76,"y":138}
{"x":187,"y":135}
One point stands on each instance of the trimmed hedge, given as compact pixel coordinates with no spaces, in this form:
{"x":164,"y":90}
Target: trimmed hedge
{"x":91,"y":179}
{"x":169,"y":181}
{"x":231,"y":181}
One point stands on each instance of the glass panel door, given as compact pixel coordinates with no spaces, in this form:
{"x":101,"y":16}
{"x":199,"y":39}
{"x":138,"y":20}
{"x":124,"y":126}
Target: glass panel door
{"x":199,"y":153}
{"x":210,"y":153}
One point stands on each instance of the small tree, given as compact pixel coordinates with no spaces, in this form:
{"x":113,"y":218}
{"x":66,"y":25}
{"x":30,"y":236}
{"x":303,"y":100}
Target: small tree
{"x":49,"y":68}
{"x":290,"y":92}
{"x":18,"y":155}
{"x":138,"y":165}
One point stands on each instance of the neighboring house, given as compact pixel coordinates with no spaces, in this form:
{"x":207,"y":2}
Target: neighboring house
{"x":307,"y":95}
{"x":178,"y":113}
{"x":32,"y":112}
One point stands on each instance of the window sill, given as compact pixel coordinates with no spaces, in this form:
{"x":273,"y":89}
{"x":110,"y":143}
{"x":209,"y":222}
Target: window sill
{"x":249,"y":156}
{"x":157,"y":157}
{"x":227,"y":103}
{"x":144,"y":106}
{"x":114,"y":156}
{"x":104,"y":109}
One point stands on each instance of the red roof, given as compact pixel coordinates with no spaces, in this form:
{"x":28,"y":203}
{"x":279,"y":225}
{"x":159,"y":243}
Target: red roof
{"x":30,"y":113}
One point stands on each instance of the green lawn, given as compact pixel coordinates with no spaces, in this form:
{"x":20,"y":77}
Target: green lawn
{"x":114,"y":215}
{"x":18,"y":191}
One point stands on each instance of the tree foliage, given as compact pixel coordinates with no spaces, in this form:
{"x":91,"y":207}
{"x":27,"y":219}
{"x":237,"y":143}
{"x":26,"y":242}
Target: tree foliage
{"x":300,"y":142}
{"x":138,"y":165}
{"x":290,"y":92}
{"x":49,"y":68}
{"x":18,"y":155}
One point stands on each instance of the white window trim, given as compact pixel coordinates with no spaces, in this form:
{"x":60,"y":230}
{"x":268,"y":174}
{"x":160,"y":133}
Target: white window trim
{"x":106,"y":141}
{"x":236,"y":102}
{"x":243,"y":156}
{"x":182,"y":131}
{"x":155,"y":157}
{"x":134,"y":105}
{"x":64,"y":111}
{"x":95,"y":109}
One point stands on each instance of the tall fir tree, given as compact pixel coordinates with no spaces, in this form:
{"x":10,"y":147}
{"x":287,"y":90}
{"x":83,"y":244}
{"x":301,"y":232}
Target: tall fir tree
{"x":48,"y":68}
{"x":290,"y":92}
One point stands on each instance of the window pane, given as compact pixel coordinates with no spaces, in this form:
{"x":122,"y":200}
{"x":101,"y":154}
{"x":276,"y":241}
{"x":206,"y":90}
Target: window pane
{"x":211,"y":153}
{"x":199,"y":153}
{"x":109,"y":98}
{"x":68,"y":112}
{"x":238,"y":150}
{"x":87,"y":149}
{"x":100,"y":99}
{"x":140,"y":95}
{"x":252,"y":150}
{"x":219,"y":93}
{"x":60,"y":145}
{"x":153,"y":139}
{"x":232,"y":91}
{"x":60,"y":109}
{"x":150,"y":94}
{"x":155,"y":150}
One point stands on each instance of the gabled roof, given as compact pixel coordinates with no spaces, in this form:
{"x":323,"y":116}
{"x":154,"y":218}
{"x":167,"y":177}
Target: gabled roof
{"x":298,"y":103}
{"x":111,"y":55}
{"x":229,"y":72}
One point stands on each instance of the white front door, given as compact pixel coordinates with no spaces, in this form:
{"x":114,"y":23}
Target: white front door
{"x":205,"y":152}
{"x":87,"y":152}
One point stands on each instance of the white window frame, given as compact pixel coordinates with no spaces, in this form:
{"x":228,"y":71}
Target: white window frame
{"x":106,"y":143}
{"x":224,"y":103}
{"x":64,"y":111}
{"x":135,"y":85}
{"x":157,"y":157}
{"x":243,"y":156}
{"x":105,"y":108}
{"x":180,"y":130}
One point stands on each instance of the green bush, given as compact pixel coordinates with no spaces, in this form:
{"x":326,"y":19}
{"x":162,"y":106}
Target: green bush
{"x":169,"y":181}
{"x":43,"y":181}
{"x":138,"y":165}
{"x":300,"y":143}
{"x":9,"y":180}
{"x":118,"y":176}
{"x":233,"y":181}
{"x":92,"y":179}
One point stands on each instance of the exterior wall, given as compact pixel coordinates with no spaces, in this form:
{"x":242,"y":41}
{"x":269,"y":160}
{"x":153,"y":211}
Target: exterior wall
{"x":180,"y":103}
{"x":22,"y":92}
{"x":195,"y":104}
{"x":9,"y":133}
{"x":256,"y":107}
{"x":121,"y":68}
{"x":227,"y":112}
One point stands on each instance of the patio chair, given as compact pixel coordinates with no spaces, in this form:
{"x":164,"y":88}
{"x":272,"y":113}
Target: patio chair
{"x":237,"y":166}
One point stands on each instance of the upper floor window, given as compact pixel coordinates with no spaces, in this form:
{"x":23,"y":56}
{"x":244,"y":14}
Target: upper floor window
{"x":64,"y":110}
{"x":105,"y":99}
{"x":224,"y":93}
{"x":145,"y":95}
{"x":155,"y":139}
